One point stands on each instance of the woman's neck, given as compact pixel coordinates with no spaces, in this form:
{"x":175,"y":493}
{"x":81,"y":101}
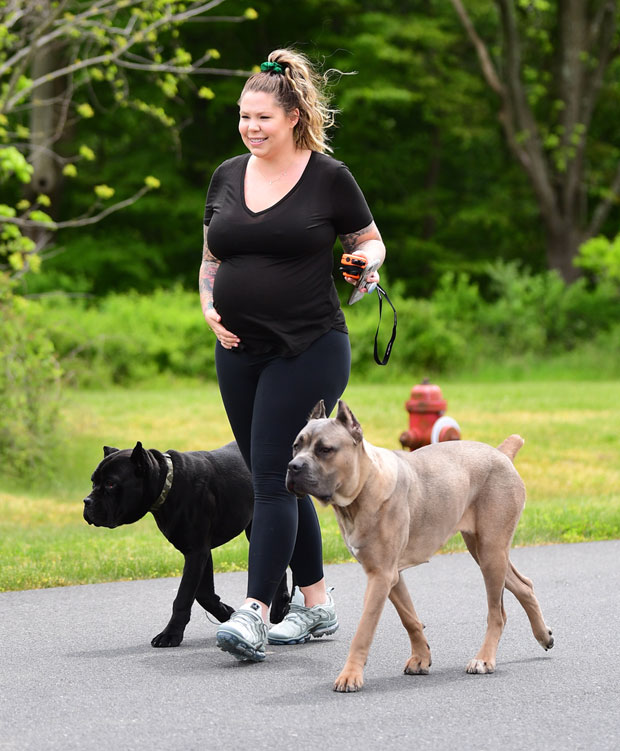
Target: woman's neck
{"x":277,"y":163}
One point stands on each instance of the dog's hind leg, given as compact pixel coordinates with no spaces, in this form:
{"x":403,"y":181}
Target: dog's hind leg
{"x":493,"y":561}
{"x":472,"y":545}
{"x":523,"y":589}
{"x":420,"y":660}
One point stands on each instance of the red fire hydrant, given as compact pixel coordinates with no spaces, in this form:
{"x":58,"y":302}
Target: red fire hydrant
{"x":427,"y":421}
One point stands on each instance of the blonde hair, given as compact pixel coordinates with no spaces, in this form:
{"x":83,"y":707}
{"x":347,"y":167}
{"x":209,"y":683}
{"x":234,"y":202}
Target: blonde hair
{"x":299,"y":87}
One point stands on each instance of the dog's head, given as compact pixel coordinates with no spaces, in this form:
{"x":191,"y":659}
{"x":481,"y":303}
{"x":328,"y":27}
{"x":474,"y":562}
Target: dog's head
{"x":121,"y":489}
{"x":326,"y":457}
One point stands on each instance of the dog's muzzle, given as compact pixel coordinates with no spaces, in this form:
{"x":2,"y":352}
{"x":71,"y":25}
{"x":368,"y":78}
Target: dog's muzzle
{"x":91,"y":515}
{"x":295,"y":476}
{"x":301,"y":480}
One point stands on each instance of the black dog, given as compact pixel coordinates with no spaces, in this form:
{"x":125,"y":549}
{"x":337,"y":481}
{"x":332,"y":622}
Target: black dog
{"x":200,"y":500}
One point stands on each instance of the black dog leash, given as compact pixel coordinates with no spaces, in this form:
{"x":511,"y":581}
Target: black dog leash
{"x":381,"y":293}
{"x":356,"y":269}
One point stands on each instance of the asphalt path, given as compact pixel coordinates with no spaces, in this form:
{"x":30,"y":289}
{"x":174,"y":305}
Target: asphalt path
{"x":77,"y":670}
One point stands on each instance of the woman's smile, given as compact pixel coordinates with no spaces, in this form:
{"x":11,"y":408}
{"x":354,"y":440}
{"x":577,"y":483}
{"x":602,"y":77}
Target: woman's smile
{"x":263,"y":122}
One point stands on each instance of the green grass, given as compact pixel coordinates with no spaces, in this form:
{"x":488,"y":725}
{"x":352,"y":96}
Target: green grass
{"x":570,"y":464}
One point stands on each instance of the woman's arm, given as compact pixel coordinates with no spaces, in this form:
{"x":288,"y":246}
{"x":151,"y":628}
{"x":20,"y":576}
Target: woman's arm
{"x":206,"y":277}
{"x":206,"y":280}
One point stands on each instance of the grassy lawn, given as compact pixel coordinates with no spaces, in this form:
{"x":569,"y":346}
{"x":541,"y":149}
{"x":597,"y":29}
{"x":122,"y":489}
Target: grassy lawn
{"x":570,"y":464}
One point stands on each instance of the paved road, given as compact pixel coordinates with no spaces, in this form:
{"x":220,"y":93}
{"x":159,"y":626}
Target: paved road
{"x":77,"y":670}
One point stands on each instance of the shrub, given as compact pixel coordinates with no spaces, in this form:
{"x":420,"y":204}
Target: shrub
{"x":130,"y":338}
{"x":29,"y":386}
{"x":601,"y":257}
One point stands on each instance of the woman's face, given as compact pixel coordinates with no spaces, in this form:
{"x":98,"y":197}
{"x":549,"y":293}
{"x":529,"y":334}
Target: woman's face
{"x":265,"y":128}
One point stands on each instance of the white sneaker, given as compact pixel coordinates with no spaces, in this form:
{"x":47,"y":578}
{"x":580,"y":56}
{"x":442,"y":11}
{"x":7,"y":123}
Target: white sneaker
{"x":300,"y":623}
{"x":244,"y":635}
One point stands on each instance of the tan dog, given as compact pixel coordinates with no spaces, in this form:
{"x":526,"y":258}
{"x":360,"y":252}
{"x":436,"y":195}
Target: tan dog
{"x":395,"y":509}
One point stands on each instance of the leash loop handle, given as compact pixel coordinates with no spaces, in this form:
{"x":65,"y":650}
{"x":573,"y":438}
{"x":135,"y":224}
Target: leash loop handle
{"x":381,"y":293}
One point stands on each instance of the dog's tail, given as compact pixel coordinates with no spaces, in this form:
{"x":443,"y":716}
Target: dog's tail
{"x":511,"y":446}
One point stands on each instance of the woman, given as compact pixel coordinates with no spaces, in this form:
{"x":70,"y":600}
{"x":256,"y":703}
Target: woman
{"x":266,"y":289}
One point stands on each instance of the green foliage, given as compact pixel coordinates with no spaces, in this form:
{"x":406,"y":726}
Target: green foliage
{"x":601,"y":257}
{"x":524,"y":317}
{"x":417,"y":127}
{"x":29,"y":386}
{"x":129,"y":339}
{"x":65,"y":67}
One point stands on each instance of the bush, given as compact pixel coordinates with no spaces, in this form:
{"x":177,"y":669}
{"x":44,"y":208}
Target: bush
{"x":29,"y":386}
{"x":523,"y":316}
{"x":129,"y":338}
{"x":601,"y":257}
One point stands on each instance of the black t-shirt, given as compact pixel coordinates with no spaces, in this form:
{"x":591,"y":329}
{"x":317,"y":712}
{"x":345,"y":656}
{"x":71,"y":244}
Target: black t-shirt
{"x":274,"y":286}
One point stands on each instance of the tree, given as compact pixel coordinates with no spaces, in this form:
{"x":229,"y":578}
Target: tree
{"x":555,"y":73}
{"x":418,"y":132}
{"x":61,"y":61}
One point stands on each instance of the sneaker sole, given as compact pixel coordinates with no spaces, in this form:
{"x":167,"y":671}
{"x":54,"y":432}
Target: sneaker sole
{"x":238,"y":648}
{"x":306,"y":637}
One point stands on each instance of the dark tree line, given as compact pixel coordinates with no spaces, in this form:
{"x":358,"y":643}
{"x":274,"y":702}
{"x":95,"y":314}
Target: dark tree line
{"x":477,"y":130}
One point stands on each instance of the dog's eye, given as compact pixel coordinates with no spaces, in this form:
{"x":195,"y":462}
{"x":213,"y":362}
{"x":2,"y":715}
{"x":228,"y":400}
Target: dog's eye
{"x":325,"y":450}
{"x":110,"y":485}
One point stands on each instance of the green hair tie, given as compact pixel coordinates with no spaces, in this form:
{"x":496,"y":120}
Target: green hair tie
{"x":271,"y":68}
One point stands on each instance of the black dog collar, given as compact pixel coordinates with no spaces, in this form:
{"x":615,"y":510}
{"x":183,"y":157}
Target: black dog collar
{"x":167,"y":485}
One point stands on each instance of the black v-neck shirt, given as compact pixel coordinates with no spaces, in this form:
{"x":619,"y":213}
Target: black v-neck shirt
{"x":274,"y":287}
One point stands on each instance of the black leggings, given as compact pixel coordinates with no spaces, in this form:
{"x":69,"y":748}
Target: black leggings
{"x":268,"y":400}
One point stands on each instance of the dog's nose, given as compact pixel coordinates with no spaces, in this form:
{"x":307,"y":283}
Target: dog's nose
{"x":295,"y":466}
{"x":88,"y":501}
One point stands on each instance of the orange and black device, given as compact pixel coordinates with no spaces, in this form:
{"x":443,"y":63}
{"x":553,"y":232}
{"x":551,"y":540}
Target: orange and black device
{"x":357,"y":270}
{"x":352,"y":266}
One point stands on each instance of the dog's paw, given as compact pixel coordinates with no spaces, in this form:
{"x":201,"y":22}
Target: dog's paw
{"x":222,"y":612}
{"x":349,"y":681}
{"x":416,"y":666}
{"x":167,"y":639}
{"x":480,"y":667}
{"x":547,"y":640}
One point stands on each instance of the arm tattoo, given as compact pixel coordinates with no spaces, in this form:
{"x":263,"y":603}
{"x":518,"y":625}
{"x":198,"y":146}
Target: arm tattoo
{"x":206,"y":279}
{"x":353,"y":240}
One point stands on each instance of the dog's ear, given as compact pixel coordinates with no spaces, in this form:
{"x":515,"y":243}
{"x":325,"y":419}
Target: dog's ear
{"x":318,"y":412}
{"x":107,"y":450}
{"x":348,"y":419}
{"x":139,"y":459}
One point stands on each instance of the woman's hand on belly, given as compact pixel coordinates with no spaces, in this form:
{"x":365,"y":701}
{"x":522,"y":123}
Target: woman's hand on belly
{"x":227,"y":339}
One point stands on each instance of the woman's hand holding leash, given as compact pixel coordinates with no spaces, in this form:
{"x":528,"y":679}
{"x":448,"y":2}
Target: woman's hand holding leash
{"x":361,"y":272}
{"x":353,"y":266}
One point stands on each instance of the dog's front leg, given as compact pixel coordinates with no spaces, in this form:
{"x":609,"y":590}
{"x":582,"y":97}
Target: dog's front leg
{"x":193,"y":569}
{"x":351,"y":677}
{"x":207,"y":598}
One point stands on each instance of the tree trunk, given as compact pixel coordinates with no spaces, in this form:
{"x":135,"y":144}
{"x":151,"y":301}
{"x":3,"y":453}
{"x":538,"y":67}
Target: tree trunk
{"x":44,"y":125}
{"x":563,"y":241}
